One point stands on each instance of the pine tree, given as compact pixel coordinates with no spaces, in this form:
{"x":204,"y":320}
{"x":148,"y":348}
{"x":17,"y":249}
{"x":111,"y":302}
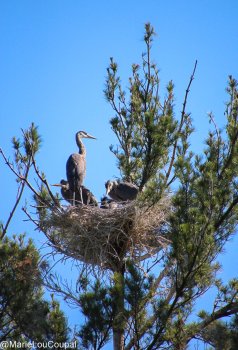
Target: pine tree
{"x":24,"y":314}
{"x":147,"y":302}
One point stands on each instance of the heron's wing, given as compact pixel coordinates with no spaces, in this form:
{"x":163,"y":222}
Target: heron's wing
{"x":75,"y":170}
{"x":88,"y":197}
{"x":127,"y":191}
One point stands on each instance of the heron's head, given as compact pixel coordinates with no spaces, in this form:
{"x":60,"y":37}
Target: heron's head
{"x":63,"y":184}
{"x":104,"y":200}
{"x":110,"y":185}
{"x":83,"y":134}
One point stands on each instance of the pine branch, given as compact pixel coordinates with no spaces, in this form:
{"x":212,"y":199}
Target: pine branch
{"x":229,"y":158}
{"x":181,"y":123}
{"x":44,"y":181}
{"x":32,"y":158}
{"x":226,"y":214}
{"x":19,"y":176}
{"x":228,"y":310}
{"x":19,"y":195}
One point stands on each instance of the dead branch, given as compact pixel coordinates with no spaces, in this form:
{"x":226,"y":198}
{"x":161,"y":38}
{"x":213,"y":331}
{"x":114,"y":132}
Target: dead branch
{"x":19,"y":195}
{"x":181,"y":123}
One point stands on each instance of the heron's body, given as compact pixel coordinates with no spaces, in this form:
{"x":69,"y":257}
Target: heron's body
{"x":76,"y":165}
{"x":121,"y":191}
{"x":88,"y":197}
{"x":76,"y":170}
{"x":68,"y":195}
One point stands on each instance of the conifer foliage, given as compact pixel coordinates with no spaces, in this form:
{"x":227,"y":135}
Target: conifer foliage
{"x":24,"y":314}
{"x":147,"y":303}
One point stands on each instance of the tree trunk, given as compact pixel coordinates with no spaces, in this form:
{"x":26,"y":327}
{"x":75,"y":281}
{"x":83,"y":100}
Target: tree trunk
{"x":118,"y":340}
{"x":119,"y":320}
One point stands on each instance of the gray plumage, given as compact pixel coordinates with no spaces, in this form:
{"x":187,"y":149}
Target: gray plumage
{"x":121,"y":191}
{"x":67,"y":194}
{"x":76,"y":164}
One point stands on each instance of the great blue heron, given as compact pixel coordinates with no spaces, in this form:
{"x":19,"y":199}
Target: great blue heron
{"x":121,"y":191}
{"x":67,"y":194}
{"x":76,"y":165}
{"x":107,"y":203}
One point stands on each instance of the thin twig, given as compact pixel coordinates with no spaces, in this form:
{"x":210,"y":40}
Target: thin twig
{"x":43,"y":180}
{"x":181,"y":122}
{"x":20,"y":193}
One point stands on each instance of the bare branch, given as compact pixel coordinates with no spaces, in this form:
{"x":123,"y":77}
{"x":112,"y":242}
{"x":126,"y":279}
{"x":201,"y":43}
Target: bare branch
{"x":181,"y":123}
{"x":19,"y":195}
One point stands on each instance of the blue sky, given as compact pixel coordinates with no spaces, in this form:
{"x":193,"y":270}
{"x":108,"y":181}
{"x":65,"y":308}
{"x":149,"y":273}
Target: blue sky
{"x":54,"y":56}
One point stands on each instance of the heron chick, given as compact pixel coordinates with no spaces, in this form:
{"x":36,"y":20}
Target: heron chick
{"x":67,"y":194}
{"x":107,"y":203}
{"x":121,"y":191}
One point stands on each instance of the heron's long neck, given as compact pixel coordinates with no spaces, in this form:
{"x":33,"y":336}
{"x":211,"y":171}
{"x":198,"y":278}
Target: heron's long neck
{"x":82,"y":149}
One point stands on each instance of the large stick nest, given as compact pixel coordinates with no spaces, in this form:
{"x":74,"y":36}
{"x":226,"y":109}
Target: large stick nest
{"x":105,"y":237}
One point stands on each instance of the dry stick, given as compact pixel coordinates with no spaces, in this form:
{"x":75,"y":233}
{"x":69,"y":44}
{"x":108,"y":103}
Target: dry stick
{"x":31,"y":218}
{"x":181,"y":122}
{"x":148,"y":255}
{"x":212,"y":119}
{"x":67,"y":295}
{"x":44,"y":277}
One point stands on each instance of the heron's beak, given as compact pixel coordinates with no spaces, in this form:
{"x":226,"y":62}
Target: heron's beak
{"x":63,"y":187}
{"x":107,"y":188}
{"x":91,"y":137}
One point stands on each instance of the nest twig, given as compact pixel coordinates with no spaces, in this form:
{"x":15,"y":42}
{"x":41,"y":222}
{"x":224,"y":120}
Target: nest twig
{"x":105,"y":237}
